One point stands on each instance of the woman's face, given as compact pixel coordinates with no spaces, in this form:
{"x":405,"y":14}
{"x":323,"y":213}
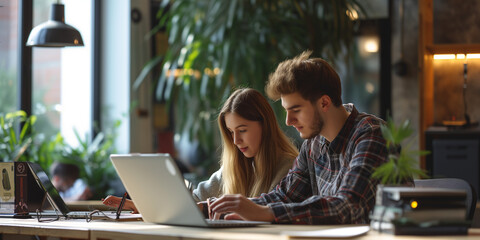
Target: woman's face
{"x":246,"y":134}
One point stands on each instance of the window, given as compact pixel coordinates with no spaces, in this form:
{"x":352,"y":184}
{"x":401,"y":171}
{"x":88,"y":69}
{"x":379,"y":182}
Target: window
{"x":61,"y":77}
{"x":362,"y":86}
{"x":84,"y":88}
{"x":8,"y":55}
{"x":366,"y":80}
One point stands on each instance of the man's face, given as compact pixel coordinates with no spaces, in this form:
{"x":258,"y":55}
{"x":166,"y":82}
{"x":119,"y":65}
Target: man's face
{"x":62,"y":185}
{"x":302,"y":115}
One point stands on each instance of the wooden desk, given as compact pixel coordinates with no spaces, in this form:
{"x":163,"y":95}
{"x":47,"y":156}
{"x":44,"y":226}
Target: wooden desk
{"x":105,"y":230}
{"x":267,"y":232}
{"x":68,"y":229}
{"x":64,"y":229}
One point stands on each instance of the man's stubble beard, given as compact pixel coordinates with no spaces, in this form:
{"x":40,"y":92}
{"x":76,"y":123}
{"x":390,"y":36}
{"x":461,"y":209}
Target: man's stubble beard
{"x":317,"y":125}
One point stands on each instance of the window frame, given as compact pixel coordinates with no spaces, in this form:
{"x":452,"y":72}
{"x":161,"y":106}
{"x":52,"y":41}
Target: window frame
{"x":24,"y":79}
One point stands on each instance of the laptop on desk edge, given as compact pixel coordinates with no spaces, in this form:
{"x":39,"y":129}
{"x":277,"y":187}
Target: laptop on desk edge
{"x":51,"y":204}
{"x":55,"y":200}
{"x":60,"y":208}
{"x":44,"y":197}
{"x":158,"y":190}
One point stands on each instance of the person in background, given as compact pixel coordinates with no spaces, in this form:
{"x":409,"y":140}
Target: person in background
{"x":65,"y":178}
{"x":256,"y":154}
{"x":331,"y":181}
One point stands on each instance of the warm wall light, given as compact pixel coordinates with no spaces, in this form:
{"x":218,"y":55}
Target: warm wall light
{"x":473,"y":55}
{"x":457,"y":56}
{"x":444,"y":56}
{"x":371,"y":46}
{"x":54,"y":32}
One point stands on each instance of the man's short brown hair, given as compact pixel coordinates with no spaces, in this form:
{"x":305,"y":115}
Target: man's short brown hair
{"x":310,"y":77}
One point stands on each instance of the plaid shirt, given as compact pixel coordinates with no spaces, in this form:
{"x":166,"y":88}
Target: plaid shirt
{"x":330,"y":182}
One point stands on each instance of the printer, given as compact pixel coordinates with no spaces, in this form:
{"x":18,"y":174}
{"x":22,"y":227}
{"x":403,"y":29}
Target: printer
{"x":418,"y":208}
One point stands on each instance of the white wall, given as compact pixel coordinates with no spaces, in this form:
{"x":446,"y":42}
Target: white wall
{"x":115,"y":68}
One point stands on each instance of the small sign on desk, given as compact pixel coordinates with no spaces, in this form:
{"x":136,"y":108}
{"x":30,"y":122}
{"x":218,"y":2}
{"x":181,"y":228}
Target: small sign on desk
{"x":7,"y":191}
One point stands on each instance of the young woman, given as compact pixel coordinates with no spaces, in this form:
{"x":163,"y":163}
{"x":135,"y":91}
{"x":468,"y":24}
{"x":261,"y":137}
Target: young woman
{"x":256,"y":153}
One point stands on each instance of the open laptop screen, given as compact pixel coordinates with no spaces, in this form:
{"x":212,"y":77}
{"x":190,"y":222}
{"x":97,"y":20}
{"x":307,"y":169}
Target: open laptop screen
{"x":44,"y":182}
{"x":158,"y":190}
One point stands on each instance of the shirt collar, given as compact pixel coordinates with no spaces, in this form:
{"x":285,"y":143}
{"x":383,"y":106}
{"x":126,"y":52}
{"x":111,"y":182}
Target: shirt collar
{"x":341,"y":140}
{"x":320,"y":145}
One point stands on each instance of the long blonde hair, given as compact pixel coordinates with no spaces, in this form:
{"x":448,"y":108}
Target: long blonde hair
{"x":240,"y":174}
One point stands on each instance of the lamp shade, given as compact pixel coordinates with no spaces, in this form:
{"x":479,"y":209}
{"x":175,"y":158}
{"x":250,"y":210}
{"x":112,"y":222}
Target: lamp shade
{"x":54,"y":32}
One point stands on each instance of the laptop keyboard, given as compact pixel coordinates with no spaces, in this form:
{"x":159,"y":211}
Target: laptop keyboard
{"x":78,"y":214}
{"x":232,"y":223}
{"x":73,"y":214}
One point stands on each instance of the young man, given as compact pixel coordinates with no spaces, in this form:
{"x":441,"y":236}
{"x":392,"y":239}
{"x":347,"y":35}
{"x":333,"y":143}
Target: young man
{"x":65,"y":178}
{"x":330,"y":182}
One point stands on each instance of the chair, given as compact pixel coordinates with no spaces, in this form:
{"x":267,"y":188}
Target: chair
{"x":455,"y":183}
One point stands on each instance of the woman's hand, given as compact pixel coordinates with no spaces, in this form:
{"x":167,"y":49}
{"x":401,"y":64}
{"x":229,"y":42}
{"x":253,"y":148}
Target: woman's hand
{"x":113,"y":201}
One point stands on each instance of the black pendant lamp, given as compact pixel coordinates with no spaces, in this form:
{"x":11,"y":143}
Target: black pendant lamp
{"x":54,"y":32}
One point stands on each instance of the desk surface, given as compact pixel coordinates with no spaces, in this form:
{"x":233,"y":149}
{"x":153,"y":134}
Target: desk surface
{"x":99,"y":229}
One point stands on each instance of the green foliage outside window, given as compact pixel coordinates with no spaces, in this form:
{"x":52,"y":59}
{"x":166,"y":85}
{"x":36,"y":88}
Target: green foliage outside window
{"x":26,"y":144}
{"x":8,"y":91}
{"x":15,"y":143}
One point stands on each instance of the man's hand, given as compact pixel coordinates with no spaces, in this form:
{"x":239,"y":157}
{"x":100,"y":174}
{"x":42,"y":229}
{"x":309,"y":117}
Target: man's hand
{"x":239,"y":207}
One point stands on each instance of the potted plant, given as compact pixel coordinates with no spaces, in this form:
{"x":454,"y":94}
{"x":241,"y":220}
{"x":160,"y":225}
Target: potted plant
{"x":92,"y":157}
{"x":93,"y":160}
{"x":402,"y":164}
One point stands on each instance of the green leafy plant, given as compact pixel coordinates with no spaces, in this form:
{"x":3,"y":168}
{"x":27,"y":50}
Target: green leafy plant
{"x":402,"y":161}
{"x":15,"y":141}
{"x":46,"y":151}
{"x":19,"y":140}
{"x":93,"y":159}
{"x":216,"y":45}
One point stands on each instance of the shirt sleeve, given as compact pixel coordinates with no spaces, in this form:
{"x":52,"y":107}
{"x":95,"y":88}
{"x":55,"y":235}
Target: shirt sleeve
{"x":209,"y":188}
{"x":76,"y":190}
{"x":293,"y":202}
{"x":296,"y":181}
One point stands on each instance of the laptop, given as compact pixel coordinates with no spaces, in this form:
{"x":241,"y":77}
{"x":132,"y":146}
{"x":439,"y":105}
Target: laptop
{"x":158,"y":190}
{"x":51,"y":194}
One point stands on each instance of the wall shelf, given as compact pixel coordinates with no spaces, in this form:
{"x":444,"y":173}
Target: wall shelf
{"x":452,"y":48}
